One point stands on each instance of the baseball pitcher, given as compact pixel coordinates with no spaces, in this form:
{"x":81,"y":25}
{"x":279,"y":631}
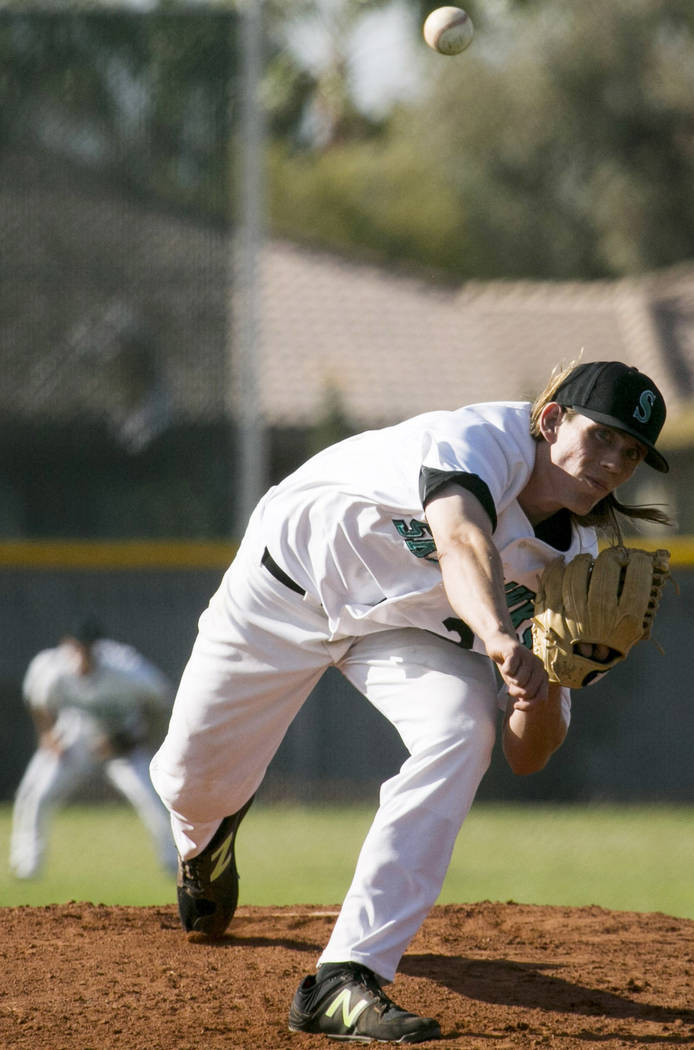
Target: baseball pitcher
{"x":410,"y":558}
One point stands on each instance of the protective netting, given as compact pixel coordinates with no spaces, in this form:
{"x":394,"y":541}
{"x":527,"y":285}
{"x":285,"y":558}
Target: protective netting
{"x":117,"y":191}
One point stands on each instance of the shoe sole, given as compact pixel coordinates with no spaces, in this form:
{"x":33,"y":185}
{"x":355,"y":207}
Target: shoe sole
{"x":369,"y":1038}
{"x":404,"y":1040}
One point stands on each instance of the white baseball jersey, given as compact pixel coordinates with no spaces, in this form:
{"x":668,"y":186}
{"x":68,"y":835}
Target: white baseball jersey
{"x":112,"y":699}
{"x":350,"y":525}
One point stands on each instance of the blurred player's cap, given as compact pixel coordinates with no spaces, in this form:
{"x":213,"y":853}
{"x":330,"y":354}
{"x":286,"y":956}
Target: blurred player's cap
{"x":620,"y":396}
{"x":87,"y":631}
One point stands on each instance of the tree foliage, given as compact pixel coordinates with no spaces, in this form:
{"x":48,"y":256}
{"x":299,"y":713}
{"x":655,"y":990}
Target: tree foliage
{"x":560,"y":145}
{"x":144,"y":97}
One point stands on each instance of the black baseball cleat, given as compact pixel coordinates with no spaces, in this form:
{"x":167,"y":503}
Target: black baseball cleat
{"x":208,"y":885}
{"x":345,"y":1001}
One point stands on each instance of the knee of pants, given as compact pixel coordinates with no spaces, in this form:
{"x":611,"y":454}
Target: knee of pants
{"x":465,"y":731}
{"x":442,"y":777}
{"x":471,"y":755}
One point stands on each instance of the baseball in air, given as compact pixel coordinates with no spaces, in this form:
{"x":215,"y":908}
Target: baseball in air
{"x":448,"y":30}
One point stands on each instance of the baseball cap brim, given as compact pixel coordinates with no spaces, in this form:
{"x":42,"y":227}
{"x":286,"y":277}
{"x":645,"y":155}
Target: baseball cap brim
{"x":653,"y":458}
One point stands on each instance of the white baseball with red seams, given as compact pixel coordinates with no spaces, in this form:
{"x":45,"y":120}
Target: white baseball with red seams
{"x":448,"y":30}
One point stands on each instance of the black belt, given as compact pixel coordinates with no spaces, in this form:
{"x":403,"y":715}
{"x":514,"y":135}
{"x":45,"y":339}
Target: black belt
{"x":273,"y":568}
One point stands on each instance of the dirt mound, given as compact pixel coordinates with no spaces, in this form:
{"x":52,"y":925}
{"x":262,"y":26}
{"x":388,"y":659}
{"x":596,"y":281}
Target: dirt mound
{"x":85,"y":977}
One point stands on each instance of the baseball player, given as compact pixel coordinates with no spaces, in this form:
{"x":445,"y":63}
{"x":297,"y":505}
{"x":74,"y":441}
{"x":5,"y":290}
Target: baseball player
{"x":93,"y":702}
{"x":407,"y":557}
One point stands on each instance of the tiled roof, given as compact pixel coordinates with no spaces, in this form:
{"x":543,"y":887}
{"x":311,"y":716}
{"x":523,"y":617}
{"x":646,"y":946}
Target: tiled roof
{"x":392,"y":345}
{"x":85,"y":257}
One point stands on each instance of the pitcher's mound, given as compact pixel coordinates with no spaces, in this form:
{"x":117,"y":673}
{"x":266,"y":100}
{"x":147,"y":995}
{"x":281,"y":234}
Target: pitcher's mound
{"x":86,"y":977}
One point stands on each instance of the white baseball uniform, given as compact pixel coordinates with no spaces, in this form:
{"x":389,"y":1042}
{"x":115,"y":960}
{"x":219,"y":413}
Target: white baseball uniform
{"x":338,"y":567}
{"x":113,"y":702}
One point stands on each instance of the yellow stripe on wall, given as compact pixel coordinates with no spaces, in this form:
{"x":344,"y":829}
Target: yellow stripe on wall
{"x":681,"y":547}
{"x":197,"y":554}
{"x":116,"y":554}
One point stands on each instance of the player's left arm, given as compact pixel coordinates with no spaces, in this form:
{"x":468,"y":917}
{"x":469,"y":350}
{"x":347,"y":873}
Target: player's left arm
{"x":533,"y":731}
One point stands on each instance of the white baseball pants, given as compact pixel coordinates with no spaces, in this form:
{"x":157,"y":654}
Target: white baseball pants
{"x":50,"y":778}
{"x":260,"y":650}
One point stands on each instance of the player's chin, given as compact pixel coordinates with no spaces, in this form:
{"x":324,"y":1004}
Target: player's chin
{"x":596,"y":493}
{"x":586,"y":502}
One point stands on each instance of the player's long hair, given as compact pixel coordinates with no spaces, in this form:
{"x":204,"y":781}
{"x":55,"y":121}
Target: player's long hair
{"x":607,"y":514}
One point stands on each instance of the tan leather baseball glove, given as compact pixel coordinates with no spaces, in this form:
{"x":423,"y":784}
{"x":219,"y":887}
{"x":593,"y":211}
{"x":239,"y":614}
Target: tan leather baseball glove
{"x":590,"y":612}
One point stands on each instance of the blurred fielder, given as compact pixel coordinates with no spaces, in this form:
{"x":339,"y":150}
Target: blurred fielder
{"x":94,"y":703}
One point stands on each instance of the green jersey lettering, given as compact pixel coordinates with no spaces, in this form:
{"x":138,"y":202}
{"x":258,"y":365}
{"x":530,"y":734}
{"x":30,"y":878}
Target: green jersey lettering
{"x":521,"y":606}
{"x":417,"y":537}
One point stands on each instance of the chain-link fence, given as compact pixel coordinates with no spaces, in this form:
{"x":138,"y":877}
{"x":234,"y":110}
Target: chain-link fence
{"x":117,"y":209}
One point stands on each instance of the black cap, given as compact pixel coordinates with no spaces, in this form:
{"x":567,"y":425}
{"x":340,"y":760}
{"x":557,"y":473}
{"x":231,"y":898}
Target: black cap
{"x":620,"y":396}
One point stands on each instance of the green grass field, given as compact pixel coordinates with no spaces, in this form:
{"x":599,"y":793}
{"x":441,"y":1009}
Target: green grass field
{"x":621,"y":857}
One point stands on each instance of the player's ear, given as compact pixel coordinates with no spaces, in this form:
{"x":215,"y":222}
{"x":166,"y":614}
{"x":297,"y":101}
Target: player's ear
{"x":550,"y":421}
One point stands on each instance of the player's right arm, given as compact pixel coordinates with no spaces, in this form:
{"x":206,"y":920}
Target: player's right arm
{"x":474,"y":582}
{"x":38,"y":689}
